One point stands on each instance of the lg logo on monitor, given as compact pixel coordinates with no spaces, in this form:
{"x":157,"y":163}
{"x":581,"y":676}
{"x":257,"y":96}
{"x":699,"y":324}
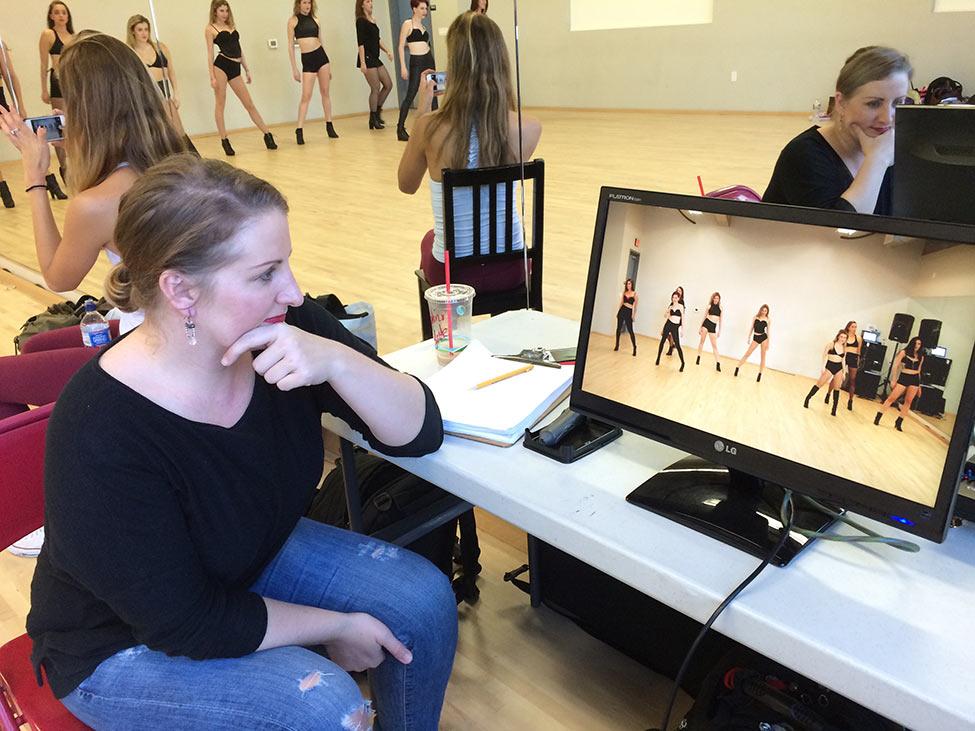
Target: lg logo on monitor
{"x":720,"y":446}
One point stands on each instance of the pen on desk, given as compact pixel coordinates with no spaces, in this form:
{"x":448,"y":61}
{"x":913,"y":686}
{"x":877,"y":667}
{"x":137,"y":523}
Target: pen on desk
{"x":504,"y":376}
{"x":533,"y":361}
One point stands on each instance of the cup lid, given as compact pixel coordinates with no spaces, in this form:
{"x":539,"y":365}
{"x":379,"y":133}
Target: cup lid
{"x":458,"y":293}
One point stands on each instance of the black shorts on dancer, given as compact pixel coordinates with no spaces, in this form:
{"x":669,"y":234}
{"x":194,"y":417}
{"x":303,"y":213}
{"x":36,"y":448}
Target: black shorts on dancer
{"x":832,"y":367}
{"x":312,"y":61}
{"x":852,"y":360}
{"x":230,"y":67}
{"x":55,"y":85}
{"x":909,"y":379}
{"x":710,"y":326}
{"x":165,"y":88}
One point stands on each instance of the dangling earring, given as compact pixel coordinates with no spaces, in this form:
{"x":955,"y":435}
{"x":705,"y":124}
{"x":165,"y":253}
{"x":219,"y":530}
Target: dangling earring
{"x":189,"y":328}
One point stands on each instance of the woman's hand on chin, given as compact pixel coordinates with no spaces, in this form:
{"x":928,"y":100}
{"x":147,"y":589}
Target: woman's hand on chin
{"x":291,"y":357}
{"x":881,"y":146}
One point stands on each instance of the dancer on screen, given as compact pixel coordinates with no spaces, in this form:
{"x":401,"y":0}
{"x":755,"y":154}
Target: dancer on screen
{"x":626,"y":313}
{"x":672,"y":326}
{"x":670,"y":340}
{"x":834,"y":368}
{"x":759,"y":337}
{"x":711,"y":328}
{"x":907,"y":366}
{"x":853,"y":343}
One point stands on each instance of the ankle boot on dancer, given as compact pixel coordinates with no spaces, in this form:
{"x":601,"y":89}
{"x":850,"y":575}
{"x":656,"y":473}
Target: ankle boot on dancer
{"x":849,"y":404}
{"x":402,"y":135}
{"x":698,"y":361}
{"x":812,"y":392}
{"x":379,"y":117}
{"x":758,"y":378}
{"x":736,"y":371}
{"x":269,"y":142}
{"x":717,"y":366}
{"x":373,"y":124}
{"x":898,"y":422}
{"x":300,"y":136}
{"x":826,"y":400}
{"x":836,"y":402}
{"x":8,"y":200}
{"x":54,"y":189}
{"x":330,"y":130}
{"x":876,"y":419}
{"x":227,"y":149}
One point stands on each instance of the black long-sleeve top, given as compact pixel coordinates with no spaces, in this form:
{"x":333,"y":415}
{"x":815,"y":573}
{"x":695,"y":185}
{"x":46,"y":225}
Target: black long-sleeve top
{"x":810,"y":173}
{"x":367,"y":36}
{"x":156,"y":525}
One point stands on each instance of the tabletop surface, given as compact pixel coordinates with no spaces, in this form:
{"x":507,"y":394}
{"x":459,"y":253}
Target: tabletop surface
{"x":893,"y":631}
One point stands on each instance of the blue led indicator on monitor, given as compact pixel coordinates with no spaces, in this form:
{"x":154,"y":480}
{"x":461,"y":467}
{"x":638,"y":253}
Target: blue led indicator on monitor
{"x":901,"y":520}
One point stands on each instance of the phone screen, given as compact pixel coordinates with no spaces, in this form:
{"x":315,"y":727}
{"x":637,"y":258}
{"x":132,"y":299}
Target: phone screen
{"x":54,"y":125}
{"x":439,"y":79}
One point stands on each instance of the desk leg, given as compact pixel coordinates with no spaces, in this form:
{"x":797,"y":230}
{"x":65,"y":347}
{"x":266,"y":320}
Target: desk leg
{"x":534,"y":572}
{"x":353,"y":500}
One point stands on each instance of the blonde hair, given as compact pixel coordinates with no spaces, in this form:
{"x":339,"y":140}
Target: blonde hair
{"x":479,"y":95}
{"x":130,"y":28}
{"x":180,"y":216}
{"x":214,"y":5}
{"x":114,"y":111}
{"x":871,"y":63}
{"x":314,"y":8}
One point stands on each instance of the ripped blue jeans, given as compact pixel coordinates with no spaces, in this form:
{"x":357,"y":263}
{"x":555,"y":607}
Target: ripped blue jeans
{"x":291,"y":687}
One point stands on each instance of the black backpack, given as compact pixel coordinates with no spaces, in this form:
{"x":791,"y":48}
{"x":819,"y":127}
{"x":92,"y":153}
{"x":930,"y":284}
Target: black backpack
{"x":389,"y":494}
{"x":942,"y":89}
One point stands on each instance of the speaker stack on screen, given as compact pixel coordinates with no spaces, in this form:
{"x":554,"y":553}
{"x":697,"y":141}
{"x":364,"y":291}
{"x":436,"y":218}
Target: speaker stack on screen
{"x":900,"y":328}
{"x":869,"y":376}
{"x":934,"y":375}
{"x":929,"y":332}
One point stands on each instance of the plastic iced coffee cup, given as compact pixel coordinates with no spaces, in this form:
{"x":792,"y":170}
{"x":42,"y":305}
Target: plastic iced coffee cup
{"x":450,"y":319}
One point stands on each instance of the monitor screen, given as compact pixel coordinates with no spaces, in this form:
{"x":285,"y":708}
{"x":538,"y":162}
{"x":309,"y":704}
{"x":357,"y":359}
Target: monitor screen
{"x":771,"y":287}
{"x":934,"y":174}
{"x":938,"y":352}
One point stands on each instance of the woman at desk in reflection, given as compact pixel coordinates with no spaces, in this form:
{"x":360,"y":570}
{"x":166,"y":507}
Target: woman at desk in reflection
{"x":711,"y":328}
{"x":672,"y":325}
{"x":834,"y":368}
{"x":846,"y":164}
{"x":758,"y":338}
{"x":626,"y":314}
{"x":907,"y":366}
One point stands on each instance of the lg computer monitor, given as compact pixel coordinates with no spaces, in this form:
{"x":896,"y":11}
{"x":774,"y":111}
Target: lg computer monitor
{"x":934,"y":171}
{"x":805,"y":274}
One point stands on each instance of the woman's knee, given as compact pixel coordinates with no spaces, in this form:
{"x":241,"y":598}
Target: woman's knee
{"x":426,"y":604}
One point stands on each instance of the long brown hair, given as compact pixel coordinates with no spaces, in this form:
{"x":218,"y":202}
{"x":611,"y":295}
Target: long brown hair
{"x":50,"y":23}
{"x":871,"y":63}
{"x":114,"y":111}
{"x":214,"y":4}
{"x":759,"y":313}
{"x":480,"y":94}
{"x":314,"y":8}
{"x":359,"y":11}
{"x":130,"y":28}
{"x":475,"y":3}
{"x":179,"y":216}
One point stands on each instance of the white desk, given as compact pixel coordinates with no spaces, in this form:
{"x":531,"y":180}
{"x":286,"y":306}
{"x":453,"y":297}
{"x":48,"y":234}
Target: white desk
{"x":893,"y":631}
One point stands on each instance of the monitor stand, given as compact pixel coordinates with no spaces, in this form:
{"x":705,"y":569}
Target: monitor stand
{"x":731,"y":506}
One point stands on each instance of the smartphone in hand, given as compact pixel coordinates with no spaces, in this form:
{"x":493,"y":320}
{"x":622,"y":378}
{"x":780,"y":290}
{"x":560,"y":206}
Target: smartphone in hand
{"x":54,"y":124}
{"x":439,"y":79}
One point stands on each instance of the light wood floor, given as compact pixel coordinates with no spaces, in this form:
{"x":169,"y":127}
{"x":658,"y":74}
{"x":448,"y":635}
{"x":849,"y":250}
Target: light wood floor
{"x":356,"y":235}
{"x":770,"y":415}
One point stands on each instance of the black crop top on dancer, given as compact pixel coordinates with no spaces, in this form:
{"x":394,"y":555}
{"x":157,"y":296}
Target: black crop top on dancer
{"x":834,"y":366}
{"x":54,"y":85}
{"x":628,"y":298}
{"x":758,"y":331}
{"x":910,"y":379}
{"x":161,"y":61}
{"x":852,"y":353}
{"x":418,"y":36}
{"x":228,"y":43}
{"x":57,"y":46}
{"x":306,"y":27}
{"x":676,"y":313}
{"x":710,"y":325}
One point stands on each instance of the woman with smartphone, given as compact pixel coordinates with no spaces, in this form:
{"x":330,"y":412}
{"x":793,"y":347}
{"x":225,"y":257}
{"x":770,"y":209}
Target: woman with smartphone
{"x":759,"y":336}
{"x":115,"y":130}
{"x":225,"y":70}
{"x":158,"y":60}
{"x":368,"y":61}
{"x":476,"y":126}
{"x":315,"y":66}
{"x":59,"y":32}
{"x":415,"y":37}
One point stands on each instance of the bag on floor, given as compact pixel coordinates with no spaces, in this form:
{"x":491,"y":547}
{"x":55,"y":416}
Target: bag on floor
{"x":358,"y":318}
{"x":61,"y":314}
{"x":389,"y":494}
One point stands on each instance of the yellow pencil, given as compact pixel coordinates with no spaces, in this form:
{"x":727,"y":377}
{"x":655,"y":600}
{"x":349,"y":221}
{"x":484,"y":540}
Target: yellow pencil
{"x":503,"y":376}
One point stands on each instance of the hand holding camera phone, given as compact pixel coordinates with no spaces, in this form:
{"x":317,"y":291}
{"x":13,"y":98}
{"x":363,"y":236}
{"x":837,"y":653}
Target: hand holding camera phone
{"x":53,"y":124}
{"x":439,"y":79}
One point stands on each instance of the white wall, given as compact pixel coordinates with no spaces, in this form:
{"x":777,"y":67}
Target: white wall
{"x":813,"y":281}
{"x":181,"y":24}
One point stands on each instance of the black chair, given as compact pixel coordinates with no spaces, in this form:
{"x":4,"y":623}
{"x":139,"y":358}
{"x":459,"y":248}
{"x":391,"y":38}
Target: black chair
{"x":494,"y":303}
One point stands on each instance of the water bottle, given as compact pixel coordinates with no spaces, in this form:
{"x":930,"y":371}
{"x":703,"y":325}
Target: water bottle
{"x":94,"y":328}
{"x":817,"y":111}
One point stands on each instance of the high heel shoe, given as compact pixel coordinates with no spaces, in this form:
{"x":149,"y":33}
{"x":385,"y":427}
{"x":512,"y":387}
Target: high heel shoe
{"x":402,"y":135}
{"x":698,"y":361}
{"x":227,"y":149}
{"x":8,"y":200}
{"x":54,"y":189}
{"x":849,"y":405}
{"x":373,"y":124}
{"x":717,"y":367}
{"x":634,"y":351}
{"x":826,"y":400}
{"x":269,"y":142}
{"x":300,"y":136}
{"x":681,"y":367}
{"x":331,"y":131}
{"x":379,"y":118}
{"x":736,"y":372}
{"x":759,"y":379}
{"x":876,"y":419}
{"x":897,"y":423}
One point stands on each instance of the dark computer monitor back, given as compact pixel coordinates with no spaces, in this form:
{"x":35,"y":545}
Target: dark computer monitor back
{"x":934,"y":172}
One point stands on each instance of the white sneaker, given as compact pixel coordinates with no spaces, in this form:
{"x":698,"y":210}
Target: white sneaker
{"x":30,"y":545}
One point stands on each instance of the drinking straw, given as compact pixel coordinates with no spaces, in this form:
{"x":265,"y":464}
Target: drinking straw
{"x":700,"y":185}
{"x":450,"y":322}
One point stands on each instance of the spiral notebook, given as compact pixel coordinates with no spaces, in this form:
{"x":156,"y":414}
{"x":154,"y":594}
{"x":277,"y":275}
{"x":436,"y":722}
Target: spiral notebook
{"x":499,"y":413}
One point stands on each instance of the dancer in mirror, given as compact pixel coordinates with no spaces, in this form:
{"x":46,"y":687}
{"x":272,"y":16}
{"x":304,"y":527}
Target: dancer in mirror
{"x":225,"y":70}
{"x":479,"y":6}
{"x":159,"y":62}
{"x":9,"y":77}
{"x":303,"y":27}
{"x":368,"y":61}
{"x":907,"y":366}
{"x":759,"y":337}
{"x":59,"y":32}
{"x":711,"y":328}
{"x":626,"y":313}
{"x":415,"y":37}
{"x":834,"y":368}
{"x":672,"y":327}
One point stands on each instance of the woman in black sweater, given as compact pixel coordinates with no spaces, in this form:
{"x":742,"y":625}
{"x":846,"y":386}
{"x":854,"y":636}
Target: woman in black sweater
{"x":846,"y":163}
{"x":179,"y":582}
{"x":368,"y":61}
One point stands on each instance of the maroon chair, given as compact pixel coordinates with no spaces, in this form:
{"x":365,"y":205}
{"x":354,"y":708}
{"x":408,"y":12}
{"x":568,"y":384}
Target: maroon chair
{"x":22,"y":701}
{"x":37,"y":378}
{"x":62,"y":337}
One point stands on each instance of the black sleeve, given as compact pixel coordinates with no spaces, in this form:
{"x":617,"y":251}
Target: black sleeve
{"x":362,"y":32}
{"x":314,"y":318}
{"x":807,"y":175}
{"x":109,"y":496}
